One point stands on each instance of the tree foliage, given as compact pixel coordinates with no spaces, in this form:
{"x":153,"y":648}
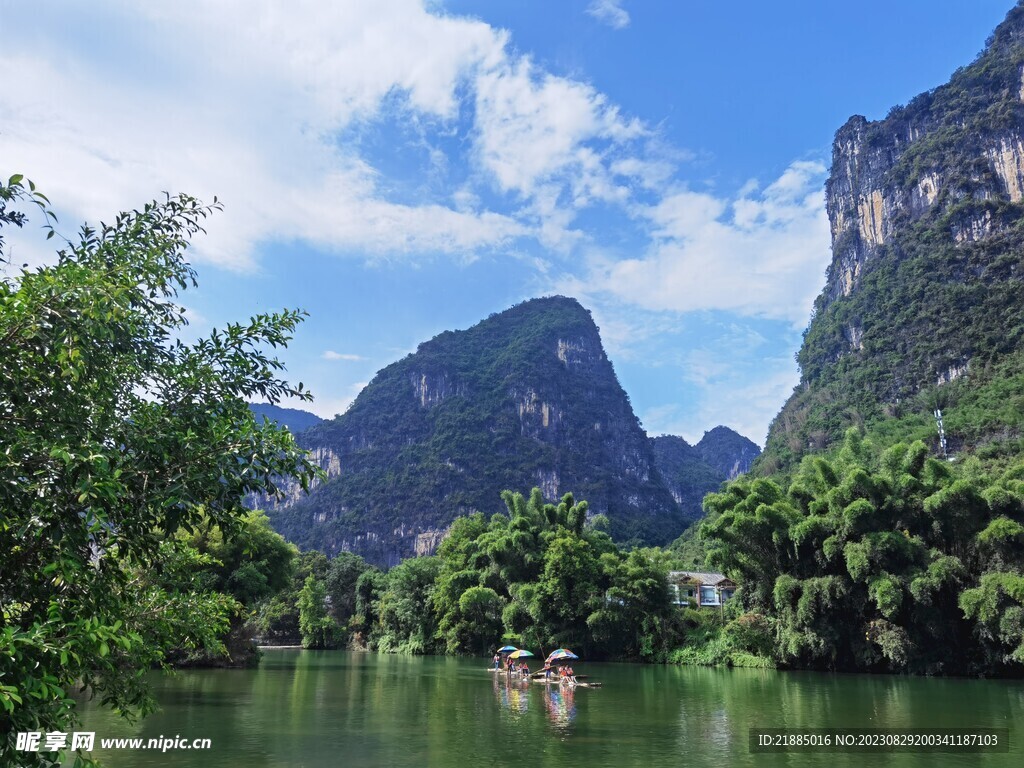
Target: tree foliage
{"x":317,"y":628}
{"x":115,"y":435}
{"x":895,"y":563}
{"x":540,"y":576}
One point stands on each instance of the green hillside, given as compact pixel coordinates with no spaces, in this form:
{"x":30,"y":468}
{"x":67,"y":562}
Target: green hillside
{"x":925,"y":284}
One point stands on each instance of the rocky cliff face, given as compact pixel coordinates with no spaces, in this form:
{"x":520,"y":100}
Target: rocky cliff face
{"x":526,"y":398}
{"x":925,"y":209}
{"x":956,"y":145}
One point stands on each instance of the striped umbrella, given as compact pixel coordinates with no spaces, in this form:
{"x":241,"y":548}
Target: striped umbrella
{"x":519,"y":654}
{"x":560,"y":655}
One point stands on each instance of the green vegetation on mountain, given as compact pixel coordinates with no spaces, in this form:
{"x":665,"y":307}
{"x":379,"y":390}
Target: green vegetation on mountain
{"x":727,"y":451}
{"x":876,"y":553}
{"x":925,"y":284}
{"x":109,"y":449}
{"x":693,"y":471}
{"x":526,"y":397}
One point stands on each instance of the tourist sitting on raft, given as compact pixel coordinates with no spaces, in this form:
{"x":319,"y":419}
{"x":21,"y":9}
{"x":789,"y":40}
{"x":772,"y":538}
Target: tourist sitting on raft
{"x":524,"y":669}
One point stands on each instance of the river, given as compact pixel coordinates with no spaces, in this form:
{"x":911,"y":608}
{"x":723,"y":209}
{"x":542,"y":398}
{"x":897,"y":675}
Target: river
{"x":305,"y":709}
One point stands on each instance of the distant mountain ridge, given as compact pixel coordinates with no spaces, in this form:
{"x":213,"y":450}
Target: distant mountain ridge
{"x":524,"y":398}
{"x":727,"y":451}
{"x":692,"y":471}
{"x":295,"y":419}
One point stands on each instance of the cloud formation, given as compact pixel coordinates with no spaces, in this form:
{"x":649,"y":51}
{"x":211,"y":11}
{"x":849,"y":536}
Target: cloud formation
{"x":391,"y":130}
{"x":263,"y":102}
{"x":761,"y":253}
{"x":609,"y":12}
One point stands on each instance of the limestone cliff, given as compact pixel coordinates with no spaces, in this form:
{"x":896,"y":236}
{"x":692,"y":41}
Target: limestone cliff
{"x":926,"y":209}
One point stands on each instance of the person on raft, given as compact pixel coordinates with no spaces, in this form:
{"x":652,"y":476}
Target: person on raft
{"x":524,"y":669}
{"x":497,"y":661}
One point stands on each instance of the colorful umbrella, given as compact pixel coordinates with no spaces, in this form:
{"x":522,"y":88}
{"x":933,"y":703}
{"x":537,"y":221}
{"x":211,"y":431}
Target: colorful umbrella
{"x":519,"y":654}
{"x":560,"y":655}
{"x":507,"y":649}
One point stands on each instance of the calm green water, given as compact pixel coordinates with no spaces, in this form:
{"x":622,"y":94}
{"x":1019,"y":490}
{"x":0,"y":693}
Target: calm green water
{"x":302,"y":709}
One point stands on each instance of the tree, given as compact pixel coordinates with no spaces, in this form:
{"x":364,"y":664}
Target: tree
{"x":114,"y":436}
{"x":277,"y":617}
{"x":892,"y":563}
{"x":254,"y":563}
{"x":318,"y":629}
{"x":636,"y":619}
{"x":19,"y":189}
{"x":407,"y":623}
{"x":369,"y":586}
{"x":479,"y":621}
{"x":568,"y":592}
{"x":342,"y":575}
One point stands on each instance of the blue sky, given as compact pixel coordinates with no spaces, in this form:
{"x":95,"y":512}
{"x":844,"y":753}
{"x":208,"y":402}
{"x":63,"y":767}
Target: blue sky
{"x":400,"y":167}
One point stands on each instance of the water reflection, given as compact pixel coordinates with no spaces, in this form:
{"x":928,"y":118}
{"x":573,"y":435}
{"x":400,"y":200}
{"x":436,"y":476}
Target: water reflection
{"x":560,"y":703}
{"x":513,"y":693}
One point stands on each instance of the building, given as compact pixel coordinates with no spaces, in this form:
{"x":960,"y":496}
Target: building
{"x":705,"y":590}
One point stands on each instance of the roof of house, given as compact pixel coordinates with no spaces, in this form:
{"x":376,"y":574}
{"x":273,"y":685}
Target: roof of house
{"x":702,"y":577}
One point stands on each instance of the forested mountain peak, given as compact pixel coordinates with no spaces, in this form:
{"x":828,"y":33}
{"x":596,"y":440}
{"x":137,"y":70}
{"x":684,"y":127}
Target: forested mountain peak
{"x":525,"y":398}
{"x":728,"y":451}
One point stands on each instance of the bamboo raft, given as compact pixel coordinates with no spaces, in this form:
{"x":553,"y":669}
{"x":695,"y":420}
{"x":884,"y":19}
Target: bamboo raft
{"x":554,"y":681}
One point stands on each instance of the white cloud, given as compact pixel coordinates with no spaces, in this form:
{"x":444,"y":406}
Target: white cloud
{"x":533,"y":126}
{"x":264,"y":103}
{"x":252,"y":100}
{"x":760,"y":254}
{"x":609,"y":12}
{"x":332,"y":355}
{"x":652,"y":174}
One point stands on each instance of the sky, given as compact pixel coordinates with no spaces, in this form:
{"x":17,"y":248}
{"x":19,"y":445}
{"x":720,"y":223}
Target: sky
{"x":397,"y":168}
